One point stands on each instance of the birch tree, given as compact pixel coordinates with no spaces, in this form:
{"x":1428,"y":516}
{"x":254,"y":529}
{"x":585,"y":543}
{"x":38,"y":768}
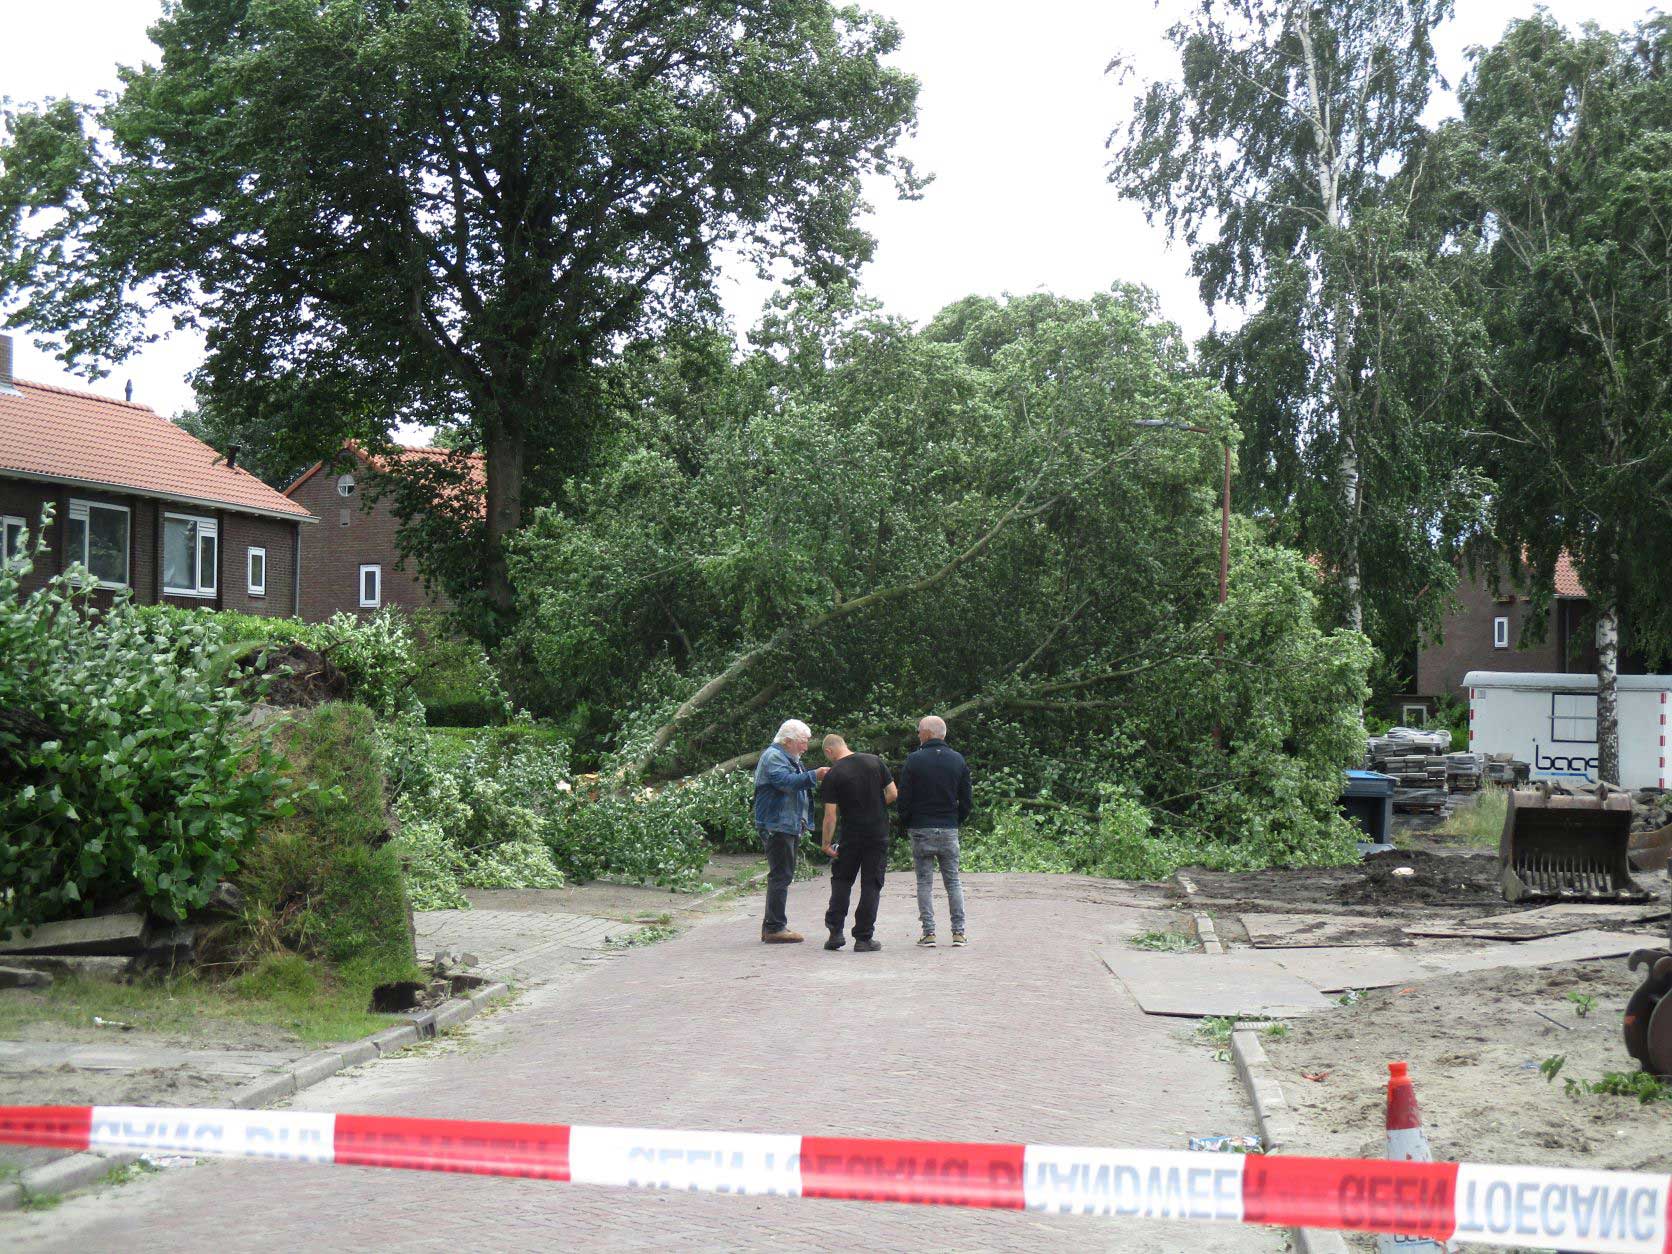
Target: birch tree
{"x":1268,"y":158}
{"x":1560,"y":171}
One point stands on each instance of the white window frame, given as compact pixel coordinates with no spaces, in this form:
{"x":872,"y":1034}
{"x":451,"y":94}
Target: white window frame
{"x":205,"y":527}
{"x":1413,"y":715}
{"x":1500,"y":633}
{"x":7,"y":522}
{"x":377,"y":596}
{"x":83,"y":510}
{"x":256,"y":589}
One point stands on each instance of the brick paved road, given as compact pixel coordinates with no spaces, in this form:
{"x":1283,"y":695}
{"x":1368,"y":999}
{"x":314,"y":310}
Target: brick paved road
{"x":1022,"y":1036}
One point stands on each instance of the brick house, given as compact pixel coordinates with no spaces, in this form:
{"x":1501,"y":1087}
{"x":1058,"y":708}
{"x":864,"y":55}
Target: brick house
{"x":142,"y":504}
{"x":357,"y":565}
{"x":1484,"y":634}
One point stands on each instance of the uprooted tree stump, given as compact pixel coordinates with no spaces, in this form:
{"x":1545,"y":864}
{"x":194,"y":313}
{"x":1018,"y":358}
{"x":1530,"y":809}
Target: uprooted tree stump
{"x":298,"y":677}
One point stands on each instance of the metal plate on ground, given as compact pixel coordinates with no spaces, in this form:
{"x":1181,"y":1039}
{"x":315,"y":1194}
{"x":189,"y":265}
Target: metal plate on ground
{"x":1553,"y":920}
{"x":1335,"y":969}
{"x":1307,"y":931}
{"x":1364,"y":967}
{"x":1198,"y":985}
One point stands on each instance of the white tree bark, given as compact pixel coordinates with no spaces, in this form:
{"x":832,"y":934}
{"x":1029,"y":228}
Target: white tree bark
{"x":1608,"y":701}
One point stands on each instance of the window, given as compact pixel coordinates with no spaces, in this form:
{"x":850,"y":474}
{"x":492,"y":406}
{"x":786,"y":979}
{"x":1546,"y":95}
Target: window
{"x":97,"y":537}
{"x":371,"y":587}
{"x":190,"y":549}
{"x":1413,"y":715}
{"x":11,"y":537}
{"x":1573,"y":717}
{"x":257,"y":571}
{"x":1500,"y":633}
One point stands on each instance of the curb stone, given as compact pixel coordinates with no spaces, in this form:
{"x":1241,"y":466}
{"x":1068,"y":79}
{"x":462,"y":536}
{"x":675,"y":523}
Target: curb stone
{"x":78,"y":1171}
{"x":1277,"y":1125}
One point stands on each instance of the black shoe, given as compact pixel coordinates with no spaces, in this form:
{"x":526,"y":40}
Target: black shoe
{"x":837,"y":940}
{"x":866,"y":946}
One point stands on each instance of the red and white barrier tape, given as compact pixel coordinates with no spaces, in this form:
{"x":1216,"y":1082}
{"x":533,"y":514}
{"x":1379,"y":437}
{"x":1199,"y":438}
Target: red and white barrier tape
{"x":1601,"y":1211}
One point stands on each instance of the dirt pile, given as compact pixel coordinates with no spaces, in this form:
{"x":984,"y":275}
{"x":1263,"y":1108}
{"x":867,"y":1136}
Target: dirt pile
{"x":1372,"y":886}
{"x":1414,"y":877}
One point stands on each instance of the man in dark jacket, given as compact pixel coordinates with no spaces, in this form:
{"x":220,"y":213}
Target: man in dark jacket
{"x":934,"y":802}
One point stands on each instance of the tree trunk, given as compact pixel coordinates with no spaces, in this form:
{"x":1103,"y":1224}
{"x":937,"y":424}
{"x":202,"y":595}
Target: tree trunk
{"x":506,"y":451}
{"x":1608,"y":701}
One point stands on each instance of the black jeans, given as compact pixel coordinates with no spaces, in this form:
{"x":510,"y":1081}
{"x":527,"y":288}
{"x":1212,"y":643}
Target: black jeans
{"x":867,"y":858}
{"x":780,"y":870}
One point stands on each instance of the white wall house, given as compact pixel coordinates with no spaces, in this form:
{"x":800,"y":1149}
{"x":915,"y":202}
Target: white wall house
{"x":1550,"y":721}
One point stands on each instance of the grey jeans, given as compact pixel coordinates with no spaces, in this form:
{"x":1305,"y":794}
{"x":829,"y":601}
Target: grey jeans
{"x":931,"y":845}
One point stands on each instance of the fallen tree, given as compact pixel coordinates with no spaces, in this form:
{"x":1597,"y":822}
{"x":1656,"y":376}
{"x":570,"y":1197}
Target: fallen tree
{"x":859,"y":523}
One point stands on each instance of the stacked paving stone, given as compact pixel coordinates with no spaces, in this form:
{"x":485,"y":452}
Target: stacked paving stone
{"x":1417,"y":761}
{"x":1465,"y":772}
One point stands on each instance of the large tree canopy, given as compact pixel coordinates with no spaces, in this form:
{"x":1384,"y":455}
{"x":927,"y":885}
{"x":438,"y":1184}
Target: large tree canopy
{"x":1558,"y":183}
{"x":1273,"y":158}
{"x":447,"y":211}
{"x":857,"y":524}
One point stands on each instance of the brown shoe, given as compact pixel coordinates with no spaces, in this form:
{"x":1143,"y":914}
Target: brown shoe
{"x":786,"y":937}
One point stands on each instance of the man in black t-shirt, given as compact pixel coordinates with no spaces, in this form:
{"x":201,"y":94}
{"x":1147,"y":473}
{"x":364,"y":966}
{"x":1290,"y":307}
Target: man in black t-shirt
{"x":858,"y":792}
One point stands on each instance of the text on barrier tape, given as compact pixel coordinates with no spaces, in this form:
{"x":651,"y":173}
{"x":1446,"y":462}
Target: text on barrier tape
{"x":1610,"y":1212}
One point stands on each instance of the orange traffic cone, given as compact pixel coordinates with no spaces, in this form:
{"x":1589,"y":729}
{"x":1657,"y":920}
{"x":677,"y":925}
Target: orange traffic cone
{"x":1406,"y":1144}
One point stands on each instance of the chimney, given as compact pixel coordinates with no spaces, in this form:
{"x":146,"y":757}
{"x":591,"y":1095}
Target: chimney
{"x":6,"y":364}
{"x":128,"y":392}
{"x":232,"y":456}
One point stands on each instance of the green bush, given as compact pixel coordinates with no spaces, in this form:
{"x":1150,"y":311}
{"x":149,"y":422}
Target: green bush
{"x":500,"y":809}
{"x":456,"y":683}
{"x":475,"y":818}
{"x":139,"y":778}
{"x":378,"y":655}
{"x":325,"y":881}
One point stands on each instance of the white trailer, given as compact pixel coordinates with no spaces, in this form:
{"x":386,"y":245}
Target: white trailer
{"x":1550,"y":722}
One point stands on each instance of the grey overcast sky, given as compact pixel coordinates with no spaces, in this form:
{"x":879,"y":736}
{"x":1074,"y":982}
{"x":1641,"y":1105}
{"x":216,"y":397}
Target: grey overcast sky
{"x":1014,"y":114}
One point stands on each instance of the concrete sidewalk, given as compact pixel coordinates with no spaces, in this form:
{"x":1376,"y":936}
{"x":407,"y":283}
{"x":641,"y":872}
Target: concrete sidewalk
{"x":1023,"y":1036}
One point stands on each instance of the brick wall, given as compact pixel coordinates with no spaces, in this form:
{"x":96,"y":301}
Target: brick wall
{"x":23,"y":499}
{"x":1466,"y":641}
{"x":352,"y":533}
{"x":240,"y":533}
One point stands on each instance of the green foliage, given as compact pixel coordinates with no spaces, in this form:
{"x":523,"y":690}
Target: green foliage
{"x":324,"y":882}
{"x":704,"y":583}
{"x":455,"y":683}
{"x":1647,"y":1089}
{"x":140,"y":776}
{"x":1217,"y":1028}
{"x":378,"y":655}
{"x":1552,"y":1066}
{"x":413,"y":260}
{"x":478,"y":818}
{"x":1274,"y":157}
{"x":1482,"y":823}
{"x":1170,"y":942}
{"x":1583,"y":1003}
{"x":500,"y":809}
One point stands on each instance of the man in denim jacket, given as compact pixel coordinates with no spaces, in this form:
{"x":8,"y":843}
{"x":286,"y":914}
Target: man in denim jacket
{"x":783,"y":811}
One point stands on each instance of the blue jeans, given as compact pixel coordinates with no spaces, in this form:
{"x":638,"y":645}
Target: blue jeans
{"x":780,"y":850}
{"x":929,"y":846}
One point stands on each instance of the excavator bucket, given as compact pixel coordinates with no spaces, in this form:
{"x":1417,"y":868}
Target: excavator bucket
{"x":1561,"y":848}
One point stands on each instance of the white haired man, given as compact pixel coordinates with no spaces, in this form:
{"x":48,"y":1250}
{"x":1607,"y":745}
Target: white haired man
{"x":934,"y":801}
{"x":783,"y":812}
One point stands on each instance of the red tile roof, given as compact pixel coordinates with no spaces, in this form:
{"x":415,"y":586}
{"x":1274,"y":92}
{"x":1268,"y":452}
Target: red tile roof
{"x":475,"y":467}
{"x":59,"y":436}
{"x":1567,"y":578}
